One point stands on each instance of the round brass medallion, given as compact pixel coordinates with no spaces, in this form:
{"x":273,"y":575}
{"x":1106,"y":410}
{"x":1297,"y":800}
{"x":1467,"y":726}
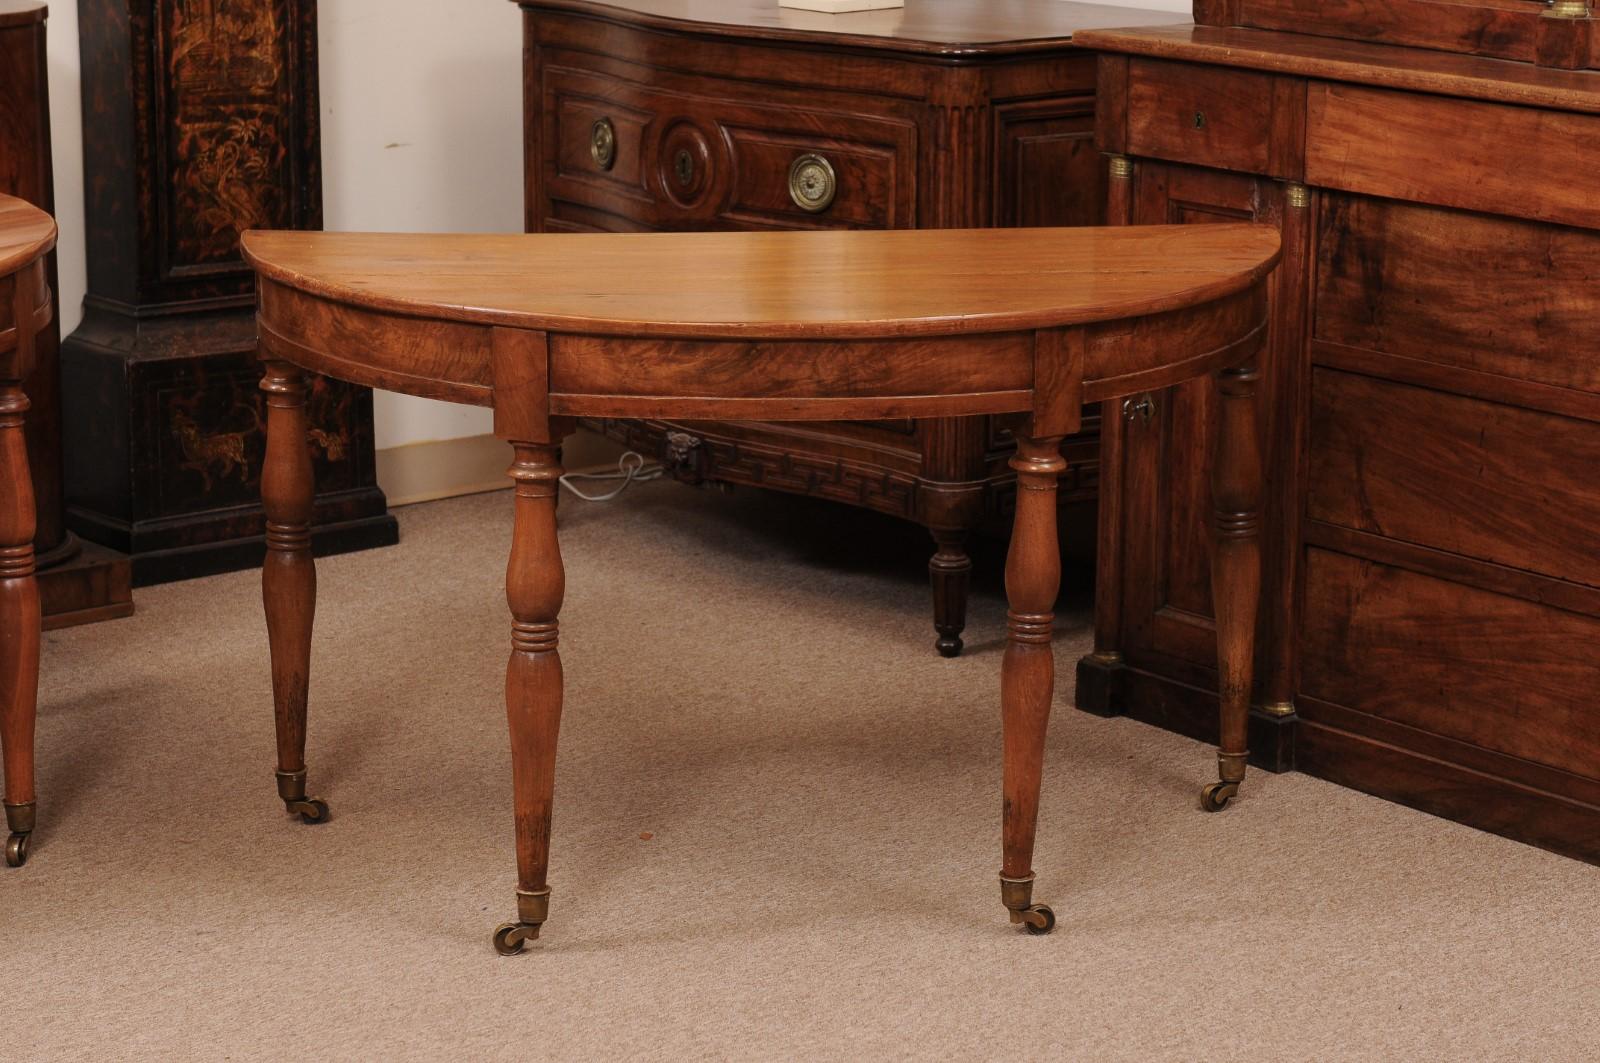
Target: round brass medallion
{"x":603,"y":143}
{"x":812,"y":183}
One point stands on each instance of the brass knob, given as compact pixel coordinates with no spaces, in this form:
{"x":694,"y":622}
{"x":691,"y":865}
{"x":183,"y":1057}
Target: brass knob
{"x":812,"y":183}
{"x":603,"y":143}
{"x":1140,"y":406}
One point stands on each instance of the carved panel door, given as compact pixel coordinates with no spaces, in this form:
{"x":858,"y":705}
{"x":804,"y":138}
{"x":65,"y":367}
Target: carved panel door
{"x":1167,"y":615}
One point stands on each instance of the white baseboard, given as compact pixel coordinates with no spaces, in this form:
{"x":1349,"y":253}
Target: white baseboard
{"x":445,"y":468}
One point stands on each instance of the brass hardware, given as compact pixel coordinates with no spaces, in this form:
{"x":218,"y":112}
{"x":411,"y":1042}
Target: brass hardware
{"x":1199,"y":119}
{"x":683,"y":167}
{"x":1215,"y":797}
{"x":812,"y":183}
{"x":1017,"y":895}
{"x":533,"y":908}
{"x":1568,"y":9}
{"x":1121,"y":167}
{"x":20,"y":818}
{"x":1231,"y":768}
{"x":292,"y":789}
{"x":603,"y":143}
{"x":1141,"y":406}
{"x":1279,"y":709}
{"x":1299,"y":195}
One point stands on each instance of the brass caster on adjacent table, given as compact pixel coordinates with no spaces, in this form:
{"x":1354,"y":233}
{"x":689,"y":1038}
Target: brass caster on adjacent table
{"x":17,"y":850}
{"x":1215,"y":797}
{"x":292,"y":788}
{"x":510,"y":937}
{"x":20,"y":818}
{"x":1017,"y":895}
{"x":533,"y":908}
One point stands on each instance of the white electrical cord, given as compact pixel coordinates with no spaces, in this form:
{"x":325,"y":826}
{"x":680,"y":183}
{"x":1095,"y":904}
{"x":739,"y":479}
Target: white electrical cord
{"x":630,"y":469}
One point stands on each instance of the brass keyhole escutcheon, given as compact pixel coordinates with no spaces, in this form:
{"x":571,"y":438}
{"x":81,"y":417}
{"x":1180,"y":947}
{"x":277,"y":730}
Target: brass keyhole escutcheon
{"x":812,"y":183}
{"x":683,"y":167}
{"x":603,"y":143}
{"x":1199,"y":119}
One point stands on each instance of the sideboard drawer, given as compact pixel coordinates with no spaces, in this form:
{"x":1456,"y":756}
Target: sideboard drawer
{"x":1414,"y":464}
{"x":697,"y":155}
{"x":1205,"y":115}
{"x":1391,"y":279}
{"x":1496,"y":673}
{"x":1488,"y":157}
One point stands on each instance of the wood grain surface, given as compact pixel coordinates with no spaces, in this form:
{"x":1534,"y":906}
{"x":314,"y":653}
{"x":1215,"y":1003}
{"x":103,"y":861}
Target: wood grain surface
{"x":775,"y":285}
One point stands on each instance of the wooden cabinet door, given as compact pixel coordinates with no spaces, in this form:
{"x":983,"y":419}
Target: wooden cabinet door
{"x":1168,"y":624}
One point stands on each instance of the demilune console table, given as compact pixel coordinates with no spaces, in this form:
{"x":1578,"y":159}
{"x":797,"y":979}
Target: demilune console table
{"x":776,"y":326}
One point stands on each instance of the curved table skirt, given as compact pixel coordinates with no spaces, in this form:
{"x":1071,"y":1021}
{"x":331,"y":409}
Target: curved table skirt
{"x":770,"y":379}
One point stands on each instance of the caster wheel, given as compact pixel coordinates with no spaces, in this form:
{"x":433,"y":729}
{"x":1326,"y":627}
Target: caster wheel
{"x":1215,"y":797}
{"x":1039,"y":919}
{"x":311,"y":810}
{"x":509,"y":938}
{"x":17,"y":849}
{"x":949,"y":647}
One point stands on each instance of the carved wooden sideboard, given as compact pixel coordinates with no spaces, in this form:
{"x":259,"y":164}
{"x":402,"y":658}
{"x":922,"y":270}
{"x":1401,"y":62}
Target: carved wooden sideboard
{"x":1431,"y":627}
{"x":646,"y":114}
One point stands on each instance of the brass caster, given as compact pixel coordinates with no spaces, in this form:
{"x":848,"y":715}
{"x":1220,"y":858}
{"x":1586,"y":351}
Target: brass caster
{"x":17,"y":849}
{"x":1037,"y":919}
{"x":949,"y":645}
{"x":509,"y":938}
{"x":1215,"y":797}
{"x":309,"y":809}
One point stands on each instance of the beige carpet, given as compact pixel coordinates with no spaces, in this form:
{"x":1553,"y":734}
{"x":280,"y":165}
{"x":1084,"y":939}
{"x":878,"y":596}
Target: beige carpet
{"x":776,"y":836}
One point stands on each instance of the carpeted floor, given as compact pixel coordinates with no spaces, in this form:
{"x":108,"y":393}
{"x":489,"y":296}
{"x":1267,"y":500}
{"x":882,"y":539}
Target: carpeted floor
{"x":776,"y":836}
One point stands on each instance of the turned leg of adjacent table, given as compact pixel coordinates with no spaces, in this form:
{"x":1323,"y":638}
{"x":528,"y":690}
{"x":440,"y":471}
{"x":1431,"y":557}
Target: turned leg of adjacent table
{"x":535,"y":585}
{"x":1027,"y":673}
{"x":950,"y":574}
{"x":19,"y":621}
{"x":1235,"y":571}
{"x":289,"y":578}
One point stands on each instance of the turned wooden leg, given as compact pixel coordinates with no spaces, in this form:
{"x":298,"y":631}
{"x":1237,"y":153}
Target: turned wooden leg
{"x":535,"y":585}
{"x":1235,"y":571}
{"x":19,"y":623}
{"x":289,"y":578}
{"x":1027,"y":672}
{"x":950,"y":572}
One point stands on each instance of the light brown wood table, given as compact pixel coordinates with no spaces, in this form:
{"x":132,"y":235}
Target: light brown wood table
{"x":778,"y":326}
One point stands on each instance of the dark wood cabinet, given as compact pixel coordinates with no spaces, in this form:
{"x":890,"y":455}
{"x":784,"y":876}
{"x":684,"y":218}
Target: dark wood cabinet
{"x":1431,"y":623}
{"x":200,"y":121}
{"x":951,"y":113}
{"x":78,"y":582}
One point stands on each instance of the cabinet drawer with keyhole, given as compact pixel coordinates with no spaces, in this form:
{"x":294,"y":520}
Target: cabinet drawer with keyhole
{"x":1199,"y":114}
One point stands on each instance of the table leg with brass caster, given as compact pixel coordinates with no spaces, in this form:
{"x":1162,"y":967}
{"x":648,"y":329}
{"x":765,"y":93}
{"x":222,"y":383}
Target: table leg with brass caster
{"x":533,"y":908}
{"x":20,"y":820}
{"x":1027,"y":671}
{"x":289,"y":579}
{"x":535,"y":586}
{"x":292,"y":788}
{"x":19,"y":588}
{"x":1235,"y":572}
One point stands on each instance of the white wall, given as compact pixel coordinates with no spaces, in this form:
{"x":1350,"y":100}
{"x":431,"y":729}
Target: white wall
{"x":421,"y":131}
